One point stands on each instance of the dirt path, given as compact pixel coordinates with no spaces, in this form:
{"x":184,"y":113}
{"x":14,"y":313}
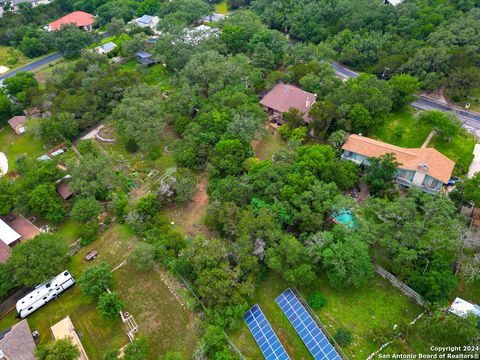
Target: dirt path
{"x":429,"y":137}
{"x":190,"y":217}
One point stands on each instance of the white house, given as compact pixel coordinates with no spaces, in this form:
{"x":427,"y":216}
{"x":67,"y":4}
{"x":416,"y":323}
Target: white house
{"x":147,"y":21}
{"x":198,"y":34}
{"x":425,"y":168}
{"x":106,"y":48}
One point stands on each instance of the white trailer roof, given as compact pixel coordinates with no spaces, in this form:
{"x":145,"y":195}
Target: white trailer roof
{"x":7,"y":234}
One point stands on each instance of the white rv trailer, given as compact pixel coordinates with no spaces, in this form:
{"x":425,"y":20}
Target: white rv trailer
{"x":43,"y":293}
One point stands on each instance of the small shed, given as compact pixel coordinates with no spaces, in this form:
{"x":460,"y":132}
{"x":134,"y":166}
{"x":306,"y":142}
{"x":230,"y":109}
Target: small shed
{"x":145,"y":58}
{"x":63,"y":189}
{"x":18,"y":124}
{"x":65,"y":329}
{"x":106,"y":48}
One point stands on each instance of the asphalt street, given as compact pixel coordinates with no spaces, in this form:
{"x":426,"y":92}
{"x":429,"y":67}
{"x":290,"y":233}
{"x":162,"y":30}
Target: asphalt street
{"x":32,"y":66}
{"x":470,"y":120}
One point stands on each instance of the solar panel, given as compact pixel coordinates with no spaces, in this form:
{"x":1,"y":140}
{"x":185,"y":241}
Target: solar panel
{"x":264,"y":335}
{"x":306,"y":327}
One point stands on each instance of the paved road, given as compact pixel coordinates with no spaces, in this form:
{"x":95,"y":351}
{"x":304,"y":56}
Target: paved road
{"x":470,"y":120}
{"x":32,"y":66}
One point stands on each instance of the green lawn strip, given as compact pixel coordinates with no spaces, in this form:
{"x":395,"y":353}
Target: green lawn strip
{"x":165,"y":323}
{"x":13,"y":58}
{"x":15,"y":146}
{"x":221,"y":8}
{"x":459,"y":149}
{"x":402,"y":129}
{"x":268,"y":145}
{"x":67,"y":231}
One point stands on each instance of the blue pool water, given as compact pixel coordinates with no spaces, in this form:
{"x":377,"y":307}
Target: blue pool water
{"x":346,"y":218}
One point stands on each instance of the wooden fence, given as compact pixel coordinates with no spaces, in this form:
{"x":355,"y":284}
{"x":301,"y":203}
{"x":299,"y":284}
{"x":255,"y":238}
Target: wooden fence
{"x":7,"y":306}
{"x":401,"y":286}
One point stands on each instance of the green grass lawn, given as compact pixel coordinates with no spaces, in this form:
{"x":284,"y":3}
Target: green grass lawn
{"x":459,"y":149}
{"x":221,"y":8}
{"x":402,"y":129}
{"x":67,"y":231}
{"x":13,"y":58}
{"x":157,"y":75}
{"x":160,"y":317}
{"x":14,"y":146}
{"x":363,"y":311}
{"x":268,"y":145}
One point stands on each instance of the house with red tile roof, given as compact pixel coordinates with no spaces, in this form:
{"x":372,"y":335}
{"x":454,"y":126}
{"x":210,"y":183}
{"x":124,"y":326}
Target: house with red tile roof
{"x":283,"y":97}
{"x":425,"y":168}
{"x":81,"y":19}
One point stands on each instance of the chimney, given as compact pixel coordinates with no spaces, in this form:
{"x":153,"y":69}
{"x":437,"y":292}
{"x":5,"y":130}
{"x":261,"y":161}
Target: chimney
{"x":307,"y":103}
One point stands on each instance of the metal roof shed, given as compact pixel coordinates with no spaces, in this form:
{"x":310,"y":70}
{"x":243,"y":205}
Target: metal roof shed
{"x":7,"y":234}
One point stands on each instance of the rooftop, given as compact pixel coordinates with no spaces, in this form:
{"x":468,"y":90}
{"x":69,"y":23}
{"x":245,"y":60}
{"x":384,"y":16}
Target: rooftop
{"x":426,"y":160}
{"x":17,"y":342}
{"x":78,"y":18}
{"x":143,"y":54}
{"x":284,"y":97}
{"x":17,"y":120}
{"x":64,"y":328}
{"x":7,"y":234}
{"x":108,"y":46}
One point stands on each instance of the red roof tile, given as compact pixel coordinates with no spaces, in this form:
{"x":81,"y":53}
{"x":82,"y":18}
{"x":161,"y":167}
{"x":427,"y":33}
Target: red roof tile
{"x":283,"y":97}
{"x":78,"y":18}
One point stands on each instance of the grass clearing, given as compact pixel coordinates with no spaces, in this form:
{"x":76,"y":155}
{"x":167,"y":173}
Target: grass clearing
{"x":376,"y":306}
{"x":459,"y":149}
{"x":13,"y":58}
{"x":402,"y":129}
{"x":221,"y":8}
{"x":67,"y":231}
{"x":15,"y":146}
{"x":269,"y":143}
{"x":161,"y":318}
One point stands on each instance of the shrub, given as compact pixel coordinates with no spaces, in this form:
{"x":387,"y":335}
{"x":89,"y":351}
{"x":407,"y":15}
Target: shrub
{"x":316,"y":300}
{"x":343,"y":337}
{"x":86,"y":209}
{"x":88,"y":232}
{"x":95,"y":280}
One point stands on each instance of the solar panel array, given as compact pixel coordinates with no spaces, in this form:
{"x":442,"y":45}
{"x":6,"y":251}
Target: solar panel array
{"x":306,"y":327}
{"x":264,"y":335}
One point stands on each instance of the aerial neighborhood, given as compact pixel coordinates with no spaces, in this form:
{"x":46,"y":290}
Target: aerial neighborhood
{"x":239,"y":179}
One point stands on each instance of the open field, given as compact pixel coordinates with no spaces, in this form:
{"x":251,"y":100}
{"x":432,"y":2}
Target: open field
{"x":147,"y":298}
{"x":14,"y":146}
{"x":363,"y":311}
{"x":67,"y":231}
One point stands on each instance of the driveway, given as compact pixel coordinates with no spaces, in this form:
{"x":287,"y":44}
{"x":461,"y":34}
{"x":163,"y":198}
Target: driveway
{"x":32,"y":66}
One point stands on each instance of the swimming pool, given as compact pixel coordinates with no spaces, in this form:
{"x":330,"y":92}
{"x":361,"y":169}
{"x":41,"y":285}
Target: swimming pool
{"x":346,"y":218}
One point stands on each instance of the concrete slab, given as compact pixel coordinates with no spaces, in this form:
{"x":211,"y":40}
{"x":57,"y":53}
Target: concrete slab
{"x":475,"y":165}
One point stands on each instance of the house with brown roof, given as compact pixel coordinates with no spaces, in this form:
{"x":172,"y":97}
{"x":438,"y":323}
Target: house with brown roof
{"x":284,"y":97}
{"x":18,"y":124}
{"x":16,"y":342}
{"x":81,"y":19}
{"x":13,"y":230}
{"x":425,"y":168}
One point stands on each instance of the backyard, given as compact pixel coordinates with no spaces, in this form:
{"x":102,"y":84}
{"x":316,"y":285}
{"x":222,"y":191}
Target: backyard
{"x":147,"y":298}
{"x":365,"y":312}
{"x":15,"y":146}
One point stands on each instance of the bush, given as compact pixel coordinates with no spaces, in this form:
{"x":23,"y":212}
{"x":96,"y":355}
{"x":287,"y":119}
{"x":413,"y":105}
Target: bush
{"x":136,"y":350}
{"x":109,"y":305}
{"x":316,"y":300}
{"x":295,"y":135}
{"x":86,"y":209}
{"x":343,"y":337}
{"x":87,"y":233}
